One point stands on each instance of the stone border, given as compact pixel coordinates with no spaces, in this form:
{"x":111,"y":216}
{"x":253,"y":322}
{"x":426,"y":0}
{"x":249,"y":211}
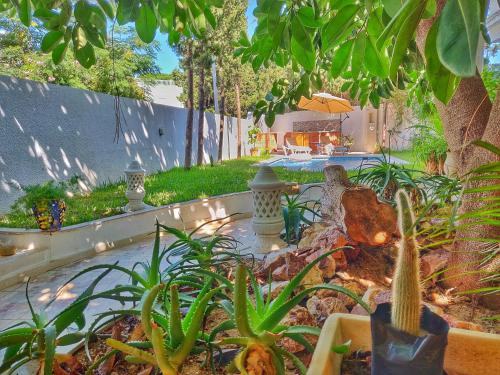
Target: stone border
{"x":39,"y":251}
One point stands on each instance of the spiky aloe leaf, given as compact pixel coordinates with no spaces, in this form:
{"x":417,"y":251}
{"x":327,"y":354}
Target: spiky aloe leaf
{"x":16,"y":336}
{"x":129,"y":349}
{"x":161,"y":355}
{"x":154,"y":270}
{"x":193,"y":308}
{"x":240,"y":302}
{"x":49,"y":337}
{"x":175,"y":327}
{"x":191,"y":334}
{"x":147,"y":308}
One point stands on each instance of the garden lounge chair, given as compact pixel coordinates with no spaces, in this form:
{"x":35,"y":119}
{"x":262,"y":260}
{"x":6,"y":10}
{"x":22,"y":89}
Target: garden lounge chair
{"x":297,"y":152}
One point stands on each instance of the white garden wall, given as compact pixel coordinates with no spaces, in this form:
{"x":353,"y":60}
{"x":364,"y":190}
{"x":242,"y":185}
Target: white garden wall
{"x":53,"y":132}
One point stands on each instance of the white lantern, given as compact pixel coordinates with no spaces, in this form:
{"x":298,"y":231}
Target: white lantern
{"x":135,"y":187}
{"x":267,"y":219}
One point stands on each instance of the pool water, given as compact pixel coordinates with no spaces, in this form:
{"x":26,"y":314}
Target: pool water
{"x":317,"y":164}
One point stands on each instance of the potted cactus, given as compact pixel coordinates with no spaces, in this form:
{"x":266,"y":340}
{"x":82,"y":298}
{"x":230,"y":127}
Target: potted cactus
{"x":46,"y":202}
{"x":405,"y":337}
{"x":253,"y":134}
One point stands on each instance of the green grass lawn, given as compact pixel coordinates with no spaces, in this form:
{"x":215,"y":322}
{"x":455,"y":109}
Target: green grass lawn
{"x":175,"y":185}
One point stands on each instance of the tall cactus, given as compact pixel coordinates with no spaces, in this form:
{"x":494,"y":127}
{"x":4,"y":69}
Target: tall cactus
{"x":406,"y":293}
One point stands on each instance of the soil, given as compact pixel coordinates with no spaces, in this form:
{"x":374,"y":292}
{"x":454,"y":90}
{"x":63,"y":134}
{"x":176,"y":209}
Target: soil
{"x":357,"y":363}
{"x":373,"y":267}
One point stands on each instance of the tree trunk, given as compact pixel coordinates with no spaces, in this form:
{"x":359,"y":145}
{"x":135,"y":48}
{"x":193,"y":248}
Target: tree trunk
{"x":201,"y":116}
{"x":466,"y":118}
{"x":221,"y":120}
{"x":190,"y":108}
{"x":238,"y":117}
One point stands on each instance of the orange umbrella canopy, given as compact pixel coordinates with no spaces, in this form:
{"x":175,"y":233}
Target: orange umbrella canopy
{"x":324,"y":102}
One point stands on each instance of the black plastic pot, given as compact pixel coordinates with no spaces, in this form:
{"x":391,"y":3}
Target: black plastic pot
{"x":398,"y":353}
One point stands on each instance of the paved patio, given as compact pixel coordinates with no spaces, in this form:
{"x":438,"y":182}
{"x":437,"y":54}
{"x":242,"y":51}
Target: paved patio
{"x":13,"y":305}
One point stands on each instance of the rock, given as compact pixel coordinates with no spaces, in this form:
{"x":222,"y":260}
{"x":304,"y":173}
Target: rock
{"x":367,"y":220}
{"x":298,"y":316}
{"x":356,"y":210}
{"x":276,"y":288}
{"x":313,"y":277}
{"x":455,"y":323}
{"x":310,"y":234}
{"x":326,"y":265}
{"x":372,"y":297}
{"x":290,"y":265}
{"x":432,"y":262}
{"x":324,"y":307}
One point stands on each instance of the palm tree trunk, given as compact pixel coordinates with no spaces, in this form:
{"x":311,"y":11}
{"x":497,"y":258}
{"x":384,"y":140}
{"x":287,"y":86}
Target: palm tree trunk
{"x":221,"y":120}
{"x":238,"y":117}
{"x":190,"y":108}
{"x":201,"y":116}
{"x":466,"y":118}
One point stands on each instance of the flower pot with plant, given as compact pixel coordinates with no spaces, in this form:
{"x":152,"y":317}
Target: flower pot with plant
{"x":46,"y":202}
{"x":406,"y":338}
{"x":347,"y":142}
{"x":253,"y":135}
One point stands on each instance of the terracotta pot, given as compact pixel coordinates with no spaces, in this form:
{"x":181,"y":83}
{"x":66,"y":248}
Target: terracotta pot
{"x":467,"y":353}
{"x":49,"y":215}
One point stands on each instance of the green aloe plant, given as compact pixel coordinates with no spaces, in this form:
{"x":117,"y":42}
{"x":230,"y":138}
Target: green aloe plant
{"x":39,"y":338}
{"x":294,"y":214}
{"x":259,"y":323}
{"x":172,"y":338}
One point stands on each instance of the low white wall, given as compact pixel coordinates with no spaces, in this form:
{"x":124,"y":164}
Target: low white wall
{"x":53,"y":132}
{"x":39,"y":251}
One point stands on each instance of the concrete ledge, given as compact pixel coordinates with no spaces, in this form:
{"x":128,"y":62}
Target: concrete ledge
{"x":39,"y":251}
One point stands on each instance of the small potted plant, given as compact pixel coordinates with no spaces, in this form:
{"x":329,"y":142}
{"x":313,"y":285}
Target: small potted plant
{"x":253,"y":134}
{"x":46,"y":202}
{"x":347,"y":141}
{"x":7,"y":248}
{"x":406,"y":337}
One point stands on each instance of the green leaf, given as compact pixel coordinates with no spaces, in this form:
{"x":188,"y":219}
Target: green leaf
{"x":50,"y":348}
{"x":342,"y":348}
{"x":358,"y":55}
{"x":404,"y":37}
{"x":269,"y":118}
{"x":395,"y":23}
{"x":124,"y":11}
{"x":341,"y":58}
{"x":374,"y":99}
{"x":391,"y":7}
{"x":107,"y":7}
{"x":301,"y":46}
{"x":375,"y":62}
{"x":331,"y":32}
{"x":15,"y":336}
{"x":24,"y":11}
{"x":307,"y":17}
{"x":50,"y":40}
{"x":375,"y":27}
{"x":443,"y":82}
{"x":458,"y":36}
{"x":146,"y":24}
{"x":210,"y":17}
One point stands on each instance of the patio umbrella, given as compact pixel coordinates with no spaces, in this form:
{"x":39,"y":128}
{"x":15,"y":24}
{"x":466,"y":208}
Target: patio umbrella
{"x":324,"y":102}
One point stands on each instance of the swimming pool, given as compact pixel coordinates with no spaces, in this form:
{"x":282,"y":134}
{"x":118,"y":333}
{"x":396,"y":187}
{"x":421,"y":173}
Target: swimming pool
{"x":317,"y":164}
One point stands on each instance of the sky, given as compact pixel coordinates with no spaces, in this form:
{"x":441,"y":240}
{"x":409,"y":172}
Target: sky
{"x":167,"y":60}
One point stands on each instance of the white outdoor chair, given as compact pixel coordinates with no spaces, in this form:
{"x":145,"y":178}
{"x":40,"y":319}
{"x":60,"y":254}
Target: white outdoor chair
{"x":297,"y":152}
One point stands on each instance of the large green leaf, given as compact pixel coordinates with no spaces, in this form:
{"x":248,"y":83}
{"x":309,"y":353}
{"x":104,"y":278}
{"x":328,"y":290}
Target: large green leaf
{"x":307,"y":17}
{"x":331,"y":32}
{"x":107,"y":7}
{"x":358,"y":55}
{"x":341,"y":58}
{"x":25,"y":12}
{"x":124,"y":11}
{"x":375,"y":62}
{"x":443,"y":82}
{"x":391,"y":7}
{"x":50,"y":348}
{"x":50,"y":40}
{"x":146,"y":24}
{"x":302,"y":46}
{"x":404,"y":37}
{"x":458,"y":36}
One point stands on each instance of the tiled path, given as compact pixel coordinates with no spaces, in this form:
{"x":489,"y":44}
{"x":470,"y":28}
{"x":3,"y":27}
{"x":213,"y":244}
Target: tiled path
{"x":13,"y":305}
